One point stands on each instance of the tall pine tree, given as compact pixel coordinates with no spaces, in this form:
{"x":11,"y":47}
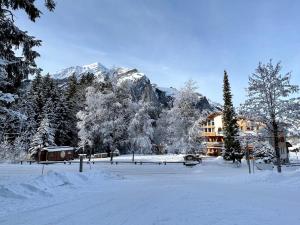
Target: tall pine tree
{"x":15,"y":66}
{"x":232,"y":145}
{"x":72,"y":105}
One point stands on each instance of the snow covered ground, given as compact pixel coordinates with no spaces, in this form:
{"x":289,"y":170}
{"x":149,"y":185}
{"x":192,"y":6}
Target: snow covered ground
{"x":145,"y":158}
{"x":294,"y":157}
{"x":127,"y":194}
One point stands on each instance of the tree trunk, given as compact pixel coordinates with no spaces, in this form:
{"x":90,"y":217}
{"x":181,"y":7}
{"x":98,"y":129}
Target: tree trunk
{"x":276,"y":144}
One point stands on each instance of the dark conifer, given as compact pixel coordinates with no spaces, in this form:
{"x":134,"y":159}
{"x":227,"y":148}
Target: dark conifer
{"x":231,"y":144}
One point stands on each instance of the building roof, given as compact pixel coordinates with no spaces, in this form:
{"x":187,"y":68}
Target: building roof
{"x":58,"y":148}
{"x":288,"y":144}
{"x":213,"y":115}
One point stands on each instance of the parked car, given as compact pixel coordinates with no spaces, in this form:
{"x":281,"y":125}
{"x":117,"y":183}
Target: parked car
{"x":192,"y":160}
{"x":191,"y":157}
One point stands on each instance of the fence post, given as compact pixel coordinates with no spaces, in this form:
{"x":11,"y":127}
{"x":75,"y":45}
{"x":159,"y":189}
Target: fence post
{"x":248,"y":157}
{"x":80,"y":163}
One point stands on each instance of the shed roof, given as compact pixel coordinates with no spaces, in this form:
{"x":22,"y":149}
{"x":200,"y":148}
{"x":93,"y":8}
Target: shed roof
{"x":58,"y":148}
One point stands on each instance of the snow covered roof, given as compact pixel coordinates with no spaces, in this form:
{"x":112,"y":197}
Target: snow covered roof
{"x":58,"y":148}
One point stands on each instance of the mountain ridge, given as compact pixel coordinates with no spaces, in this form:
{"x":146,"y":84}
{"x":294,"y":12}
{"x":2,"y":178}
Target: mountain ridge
{"x":137,"y":82}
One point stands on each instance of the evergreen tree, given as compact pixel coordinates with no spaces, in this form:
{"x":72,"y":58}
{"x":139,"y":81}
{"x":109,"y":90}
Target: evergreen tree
{"x":72,"y":89}
{"x":11,"y":38}
{"x":66,"y":121}
{"x":15,"y":66}
{"x":44,"y":136}
{"x":87,"y":79}
{"x":73,"y":104}
{"x":231,"y":143}
{"x":36,"y":98}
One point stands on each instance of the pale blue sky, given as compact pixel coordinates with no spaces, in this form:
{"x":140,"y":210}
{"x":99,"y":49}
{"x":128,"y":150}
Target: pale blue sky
{"x":172,"y":41}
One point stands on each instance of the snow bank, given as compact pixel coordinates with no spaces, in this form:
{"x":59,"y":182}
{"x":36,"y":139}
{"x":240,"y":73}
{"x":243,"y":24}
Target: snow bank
{"x":41,"y":185}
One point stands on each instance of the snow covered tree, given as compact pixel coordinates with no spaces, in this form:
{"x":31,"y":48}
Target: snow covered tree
{"x":61,"y":111}
{"x":65,"y":132}
{"x":46,"y":99}
{"x":36,"y":98}
{"x":31,"y":106}
{"x":269,"y":101}
{"x":66,"y":110}
{"x":105,"y":119}
{"x":43,"y":137}
{"x":231,"y":143}
{"x":258,"y":142}
{"x":15,"y":66}
{"x":173,"y":126}
{"x":140,"y":131}
{"x":11,"y":38}
{"x":87,"y":79}
{"x":194,"y":137}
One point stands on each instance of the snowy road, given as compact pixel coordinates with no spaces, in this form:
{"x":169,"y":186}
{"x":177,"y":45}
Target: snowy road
{"x":158,"y":195}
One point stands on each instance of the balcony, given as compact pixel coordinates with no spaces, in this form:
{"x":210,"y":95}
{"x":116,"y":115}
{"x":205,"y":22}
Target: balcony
{"x":206,"y":134}
{"x":214,"y":144}
{"x":208,"y":126}
{"x":212,"y":134}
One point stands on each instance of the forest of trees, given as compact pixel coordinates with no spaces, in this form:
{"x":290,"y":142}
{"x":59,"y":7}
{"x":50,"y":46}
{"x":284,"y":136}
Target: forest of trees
{"x":47,"y":115}
{"x":99,"y":116}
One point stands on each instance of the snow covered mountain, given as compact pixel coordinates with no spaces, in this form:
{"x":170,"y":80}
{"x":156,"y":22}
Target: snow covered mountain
{"x":138,"y":83}
{"x":172,"y":92}
{"x":96,"y":68}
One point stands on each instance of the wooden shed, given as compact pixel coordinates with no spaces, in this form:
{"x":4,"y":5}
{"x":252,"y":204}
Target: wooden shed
{"x":56,"y":153}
